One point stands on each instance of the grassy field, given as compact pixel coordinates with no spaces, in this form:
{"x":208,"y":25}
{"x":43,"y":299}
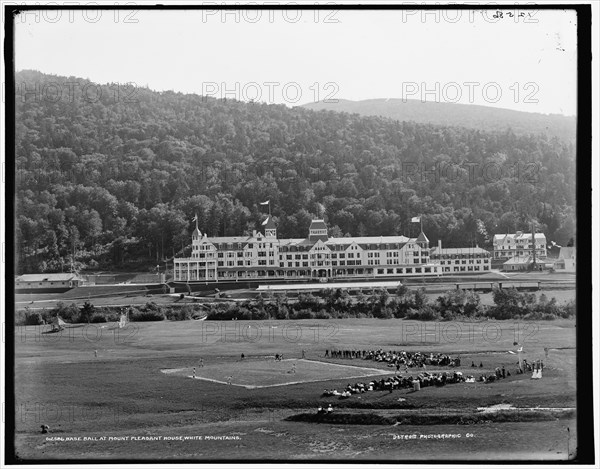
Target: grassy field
{"x":110,"y":387}
{"x":264,"y":372}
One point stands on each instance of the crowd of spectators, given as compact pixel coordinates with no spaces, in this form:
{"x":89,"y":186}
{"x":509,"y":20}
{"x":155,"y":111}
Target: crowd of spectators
{"x":424,"y":379}
{"x":398,"y":358}
{"x":499,"y":373}
{"x":405,"y":360}
{"x":529,"y":366}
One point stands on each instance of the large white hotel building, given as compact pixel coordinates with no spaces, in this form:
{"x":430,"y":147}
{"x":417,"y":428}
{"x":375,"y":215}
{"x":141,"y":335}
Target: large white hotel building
{"x":264,"y":256}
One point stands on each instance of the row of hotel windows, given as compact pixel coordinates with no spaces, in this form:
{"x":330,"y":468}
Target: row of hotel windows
{"x":40,"y":284}
{"x":318,"y":263}
{"x":182,"y":275}
{"x":469,"y":268}
{"x":519,"y":246}
{"x":519,"y":253}
{"x":343,"y":247}
{"x":220,"y":255}
{"x":461,"y":256}
{"x":230,"y":246}
{"x":477,"y":261}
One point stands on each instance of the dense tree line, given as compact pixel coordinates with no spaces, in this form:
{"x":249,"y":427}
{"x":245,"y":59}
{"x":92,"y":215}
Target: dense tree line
{"x":328,"y":304}
{"x":107,"y":176}
{"x":405,"y":303}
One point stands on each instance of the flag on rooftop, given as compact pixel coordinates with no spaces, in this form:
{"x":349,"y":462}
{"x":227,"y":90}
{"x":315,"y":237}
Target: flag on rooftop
{"x":415,"y":219}
{"x":266,"y":221}
{"x":195,"y":218}
{"x":265,"y":203}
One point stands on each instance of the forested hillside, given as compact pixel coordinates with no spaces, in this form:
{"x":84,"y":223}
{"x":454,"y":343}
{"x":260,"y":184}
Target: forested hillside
{"x":114,"y":175}
{"x":455,"y":114}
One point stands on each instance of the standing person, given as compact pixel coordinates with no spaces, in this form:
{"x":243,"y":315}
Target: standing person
{"x":327,"y":353}
{"x":303,"y":353}
{"x":503,"y":372}
{"x":201,"y":362}
{"x":96,"y":353}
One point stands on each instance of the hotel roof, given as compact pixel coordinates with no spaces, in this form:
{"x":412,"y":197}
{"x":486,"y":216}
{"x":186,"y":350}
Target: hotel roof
{"x":61,"y":277}
{"x":518,"y":236}
{"x":458,"y":251}
{"x":370,"y":240}
{"x":318,"y":225}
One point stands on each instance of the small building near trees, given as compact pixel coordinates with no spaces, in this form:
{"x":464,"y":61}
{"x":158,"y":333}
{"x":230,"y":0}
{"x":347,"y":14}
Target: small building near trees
{"x":47,"y":283}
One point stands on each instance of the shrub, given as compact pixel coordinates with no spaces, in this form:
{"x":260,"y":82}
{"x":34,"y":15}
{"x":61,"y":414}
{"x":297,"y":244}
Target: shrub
{"x":383,"y":313}
{"x":282,"y":312}
{"x":70,"y":313}
{"x":179,"y":314}
{"x":322,"y":314}
{"x":87,"y":311}
{"x":303,"y":314}
{"x":569,"y":310}
{"x":98,"y":317}
{"x":151,"y":306}
{"x":259,"y":313}
{"x":426,"y":313}
{"x":141,"y":316}
{"x":33,"y":319}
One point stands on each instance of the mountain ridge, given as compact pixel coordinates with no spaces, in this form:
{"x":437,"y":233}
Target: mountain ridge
{"x":475,"y":116}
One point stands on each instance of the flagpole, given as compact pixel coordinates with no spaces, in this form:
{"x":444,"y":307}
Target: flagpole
{"x":421,"y":220}
{"x":269,"y":208}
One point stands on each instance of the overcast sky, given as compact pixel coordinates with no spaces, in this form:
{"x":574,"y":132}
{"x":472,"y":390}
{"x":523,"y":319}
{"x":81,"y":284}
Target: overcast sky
{"x":526,"y":63}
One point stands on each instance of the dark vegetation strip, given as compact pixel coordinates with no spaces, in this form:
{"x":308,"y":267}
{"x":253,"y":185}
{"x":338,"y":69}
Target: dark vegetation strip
{"x":462,"y":419}
{"x":328,"y":304}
